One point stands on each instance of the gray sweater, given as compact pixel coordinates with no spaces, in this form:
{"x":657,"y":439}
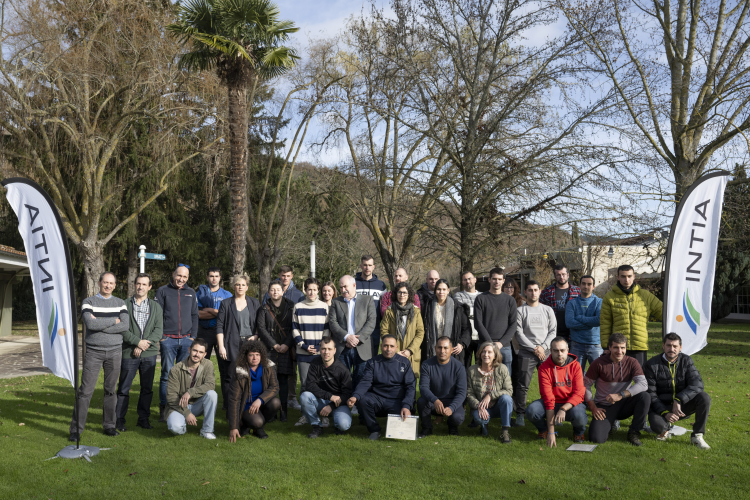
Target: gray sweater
{"x":99,"y":316}
{"x":537,"y":326}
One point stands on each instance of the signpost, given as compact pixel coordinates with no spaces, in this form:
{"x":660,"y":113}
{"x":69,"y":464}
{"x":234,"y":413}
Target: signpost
{"x":152,"y":256}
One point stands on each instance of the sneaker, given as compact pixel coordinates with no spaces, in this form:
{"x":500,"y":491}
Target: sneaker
{"x":73,"y":437}
{"x":144,"y":424}
{"x":425,"y":433}
{"x":664,"y":436}
{"x":324,"y":422}
{"x":634,"y":438}
{"x":302,"y":421}
{"x":208,"y":435}
{"x":616,"y":426}
{"x":452,"y":431}
{"x":505,"y":436}
{"x":374,"y":436}
{"x":354,"y":410}
{"x":293,"y":404}
{"x":317,"y":431}
{"x":519,"y":421}
{"x":579,"y":438}
{"x":698,"y":441}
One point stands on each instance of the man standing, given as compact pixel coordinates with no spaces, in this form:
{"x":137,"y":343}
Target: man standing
{"x":621,"y":392}
{"x":442,"y":389}
{"x":467,"y":296}
{"x":582,"y":319}
{"x":191,"y":393}
{"x":426,"y":292}
{"x":328,"y":387}
{"x":536,"y":328}
{"x":626,"y":309}
{"x":105,"y":318}
{"x":139,"y":347}
{"x":180,"y":308}
{"x":209,"y":298}
{"x":369,"y":284}
{"x":676,"y":391}
{"x":387,"y":386}
{"x":400,"y":276}
{"x":562,"y":390}
{"x":495,"y":316}
{"x":557,"y":296}
{"x":351,"y":321}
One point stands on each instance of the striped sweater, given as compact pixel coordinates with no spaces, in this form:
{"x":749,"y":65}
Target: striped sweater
{"x":99,"y":316}
{"x":309,"y":325}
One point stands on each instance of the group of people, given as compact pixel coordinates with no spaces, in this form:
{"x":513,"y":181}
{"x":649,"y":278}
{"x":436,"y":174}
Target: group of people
{"x":359,"y":350}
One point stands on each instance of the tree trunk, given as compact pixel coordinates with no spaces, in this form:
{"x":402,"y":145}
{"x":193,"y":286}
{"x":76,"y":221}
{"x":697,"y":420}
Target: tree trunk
{"x":685,"y":174}
{"x":390,"y":264}
{"x":238,"y":173}
{"x":264,"y":274}
{"x":134,"y":267}
{"x":92,"y":254}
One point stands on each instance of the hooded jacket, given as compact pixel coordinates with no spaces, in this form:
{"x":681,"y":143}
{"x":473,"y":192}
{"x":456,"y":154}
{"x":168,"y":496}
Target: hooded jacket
{"x":561,"y":384}
{"x":628,"y":313}
{"x":180,"y":307}
{"x":375,"y":288}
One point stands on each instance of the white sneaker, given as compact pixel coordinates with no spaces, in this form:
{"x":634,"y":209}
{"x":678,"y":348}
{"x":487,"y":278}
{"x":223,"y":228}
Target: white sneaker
{"x":354,"y":410}
{"x":293,"y":404}
{"x":698,"y":441}
{"x":616,"y":427}
{"x":664,"y":436}
{"x":324,"y":422}
{"x":208,"y":435}
{"x":302,"y":421}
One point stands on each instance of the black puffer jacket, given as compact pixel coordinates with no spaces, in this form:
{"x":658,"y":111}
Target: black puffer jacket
{"x":664,"y":389}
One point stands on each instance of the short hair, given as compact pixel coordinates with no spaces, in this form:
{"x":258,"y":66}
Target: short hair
{"x":497,"y":270}
{"x":444,"y":338}
{"x":671,"y":337}
{"x":200,"y":342}
{"x":442,"y":281}
{"x":388,"y":336}
{"x":285,"y":269}
{"x":101,"y":276}
{"x":213,"y":269}
{"x":558,"y":339}
{"x":141,"y":275}
{"x":559,"y":267}
{"x":625,"y":267}
{"x":498,"y":355}
{"x":531,"y":283}
{"x":367,"y":257}
{"x":593,"y":281}
{"x":312,"y":281}
{"x":617,"y":338}
{"x":240,"y":277}
{"x":327,"y":340}
{"x":275,"y":282}
{"x":465,"y":273}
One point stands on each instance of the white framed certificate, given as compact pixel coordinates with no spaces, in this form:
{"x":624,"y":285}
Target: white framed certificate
{"x":401,"y":429}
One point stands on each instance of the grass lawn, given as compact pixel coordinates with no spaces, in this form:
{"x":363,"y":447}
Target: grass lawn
{"x":143,"y":464}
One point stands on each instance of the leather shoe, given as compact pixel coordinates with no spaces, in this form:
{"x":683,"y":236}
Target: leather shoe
{"x":260,"y":433}
{"x":282,"y":416}
{"x":146,"y":425}
{"x":121,"y":427}
{"x":111,"y":432}
{"x":425,"y":433}
{"x":73,"y":437}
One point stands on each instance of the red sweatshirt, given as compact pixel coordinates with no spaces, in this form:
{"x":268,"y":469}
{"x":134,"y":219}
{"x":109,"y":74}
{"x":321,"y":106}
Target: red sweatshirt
{"x":561,"y":384}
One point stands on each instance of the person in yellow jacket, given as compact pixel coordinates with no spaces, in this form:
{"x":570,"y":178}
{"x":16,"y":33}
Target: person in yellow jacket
{"x":626,"y":309}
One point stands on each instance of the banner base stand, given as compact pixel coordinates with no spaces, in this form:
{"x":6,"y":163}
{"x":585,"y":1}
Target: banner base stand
{"x":78,"y":452}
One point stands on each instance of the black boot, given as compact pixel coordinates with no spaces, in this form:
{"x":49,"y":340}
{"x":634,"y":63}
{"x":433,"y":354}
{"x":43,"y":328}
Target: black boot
{"x":162,"y":413}
{"x":282,"y":415}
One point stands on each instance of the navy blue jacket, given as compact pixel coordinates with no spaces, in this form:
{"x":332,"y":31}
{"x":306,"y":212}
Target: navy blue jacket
{"x":180,"y":307}
{"x":374,"y":288}
{"x":444,"y":382}
{"x":389,"y":378}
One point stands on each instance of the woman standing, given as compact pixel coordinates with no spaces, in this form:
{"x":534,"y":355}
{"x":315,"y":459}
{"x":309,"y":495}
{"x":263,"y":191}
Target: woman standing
{"x":252,"y":399}
{"x":489,"y":390}
{"x":235,"y":324}
{"x":445,"y":317}
{"x":511,"y":288}
{"x":329,"y":292}
{"x":275,"y":331}
{"x":403,"y":319}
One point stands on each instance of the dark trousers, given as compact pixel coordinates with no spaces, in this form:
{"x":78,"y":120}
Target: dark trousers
{"x":283,"y":391}
{"x":350,"y":358}
{"x":636,"y":406}
{"x":209,"y":335}
{"x":226,"y":370}
{"x":426,"y":409}
{"x":372,"y":406}
{"x":470,"y":351}
{"x":640,"y":356}
{"x":527,"y":362}
{"x":146,"y":368}
{"x":266,"y":412}
{"x":699,"y":405}
{"x":94,"y":361}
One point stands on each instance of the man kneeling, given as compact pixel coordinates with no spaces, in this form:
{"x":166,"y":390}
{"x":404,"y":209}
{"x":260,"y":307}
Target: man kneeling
{"x":388,"y":386}
{"x":442,"y":385}
{"x":328,"y":385}
{"x":190,"y":392}
{"x":616,"y":398}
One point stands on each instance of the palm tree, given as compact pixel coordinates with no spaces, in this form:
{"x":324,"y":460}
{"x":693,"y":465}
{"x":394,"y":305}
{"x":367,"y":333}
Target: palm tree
{"x":241,"y":40}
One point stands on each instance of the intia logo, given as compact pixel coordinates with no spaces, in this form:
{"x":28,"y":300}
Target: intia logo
{"x":52,"y":327}
{"x":692,"y":315}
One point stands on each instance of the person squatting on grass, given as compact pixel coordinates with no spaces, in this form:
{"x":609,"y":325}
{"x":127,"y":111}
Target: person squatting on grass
{"x":489,"y":392}
{"x":442,"y":389}
{"x":190,"y":392}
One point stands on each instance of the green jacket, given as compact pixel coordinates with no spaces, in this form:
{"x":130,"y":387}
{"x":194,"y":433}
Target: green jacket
{"x":629,"y":315}
{"x":179,"y":383}
{"x":501,"y":386}
{"x":153,"y":331}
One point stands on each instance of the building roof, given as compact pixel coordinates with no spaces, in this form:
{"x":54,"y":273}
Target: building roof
{"x":12,"y":251}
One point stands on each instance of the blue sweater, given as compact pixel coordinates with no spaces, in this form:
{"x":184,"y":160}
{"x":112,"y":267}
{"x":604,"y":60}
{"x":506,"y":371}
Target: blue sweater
{"x":444,"y":382}
{"x":390,"y":379}
{"x":582,"y":318}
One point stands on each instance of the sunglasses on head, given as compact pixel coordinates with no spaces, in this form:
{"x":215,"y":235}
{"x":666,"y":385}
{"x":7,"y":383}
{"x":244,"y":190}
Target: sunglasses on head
{"x":183,"y":265}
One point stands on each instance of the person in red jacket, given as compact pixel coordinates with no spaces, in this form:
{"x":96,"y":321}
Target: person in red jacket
{"x":562,"y":390}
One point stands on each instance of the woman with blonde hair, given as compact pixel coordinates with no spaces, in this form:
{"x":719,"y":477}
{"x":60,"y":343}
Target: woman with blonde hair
{"x":489,"y":390}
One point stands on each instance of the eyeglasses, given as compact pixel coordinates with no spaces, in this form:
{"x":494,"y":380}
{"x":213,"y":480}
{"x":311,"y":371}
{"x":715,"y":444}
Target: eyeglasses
{"x":183,"y":265}
{"x":402,"y":293}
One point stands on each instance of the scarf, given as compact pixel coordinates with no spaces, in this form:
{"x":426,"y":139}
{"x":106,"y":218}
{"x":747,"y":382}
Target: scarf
{"x":433,"y":333}
{"x":403,"y":314}
{"x":627,"y":291}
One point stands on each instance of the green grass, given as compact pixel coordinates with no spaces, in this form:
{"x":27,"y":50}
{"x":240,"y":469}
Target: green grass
{"x":144,"y":464}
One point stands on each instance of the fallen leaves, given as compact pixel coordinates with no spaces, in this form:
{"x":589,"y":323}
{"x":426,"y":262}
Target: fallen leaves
{"x":522,"y":481}
{"x":132,"y":474}
{"x":207,"y":482}
{"x":21,"y":424}
{"x":662,"y":460}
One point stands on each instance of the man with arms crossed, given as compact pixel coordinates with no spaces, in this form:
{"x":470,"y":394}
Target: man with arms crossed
{"x":388,"y":386}
{"x":582,"y":319}
{"x":190,"y":392}
{"x":328,"y":388}
{"x":209,"y":298}
{"x":621,"y":392}
{"x":536,"y":329}
{"x":495,"y":316}
{"x":442,"y":389}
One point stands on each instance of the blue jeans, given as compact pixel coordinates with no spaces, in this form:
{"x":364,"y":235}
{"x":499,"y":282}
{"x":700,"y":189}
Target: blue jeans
{"x":507,"y":353}
{"x":311,"y":406}
{"x":204,"y":405}
{"x":585,"y":352}
{"x":350,"y":358}
{"x":576,"y":415}
{"x":172,"y":351}
{"x":501,"y":410}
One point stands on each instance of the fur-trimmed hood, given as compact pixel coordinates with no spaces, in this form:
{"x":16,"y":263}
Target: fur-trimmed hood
{"x":244,"y":373}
